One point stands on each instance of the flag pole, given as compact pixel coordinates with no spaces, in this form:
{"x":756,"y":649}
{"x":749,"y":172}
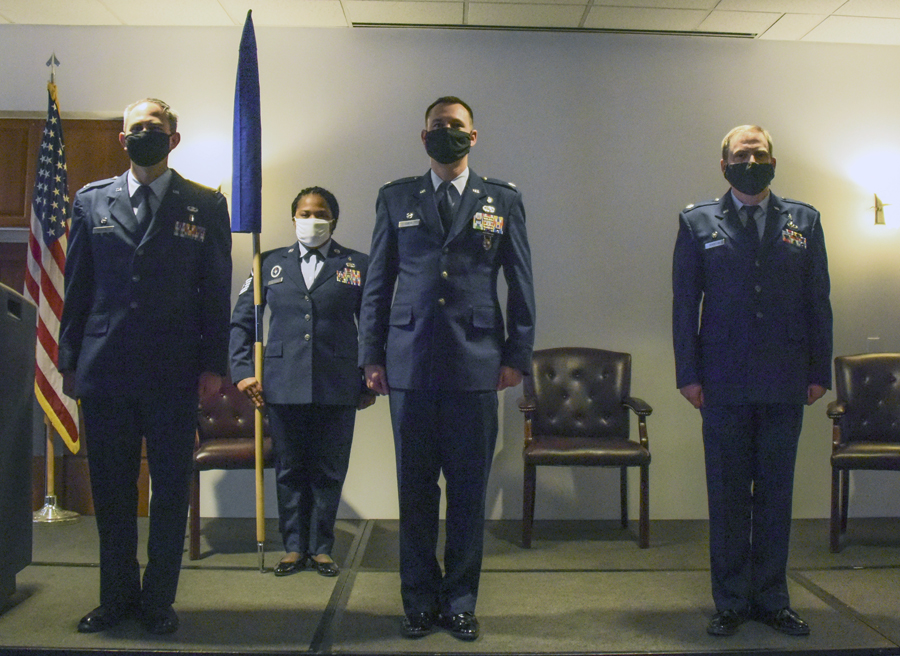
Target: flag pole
{"x":246,"y":216}
{"x":48,"y":389}
{"x":50,"y":512}
{"x":258,"y":415}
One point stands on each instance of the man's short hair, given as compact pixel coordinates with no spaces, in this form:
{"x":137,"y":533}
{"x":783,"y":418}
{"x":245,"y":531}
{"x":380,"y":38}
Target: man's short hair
{"x":726,"y":142}
{"x":449,"y":100}
{"x":329,"y":198}
{"x":171,"y":116}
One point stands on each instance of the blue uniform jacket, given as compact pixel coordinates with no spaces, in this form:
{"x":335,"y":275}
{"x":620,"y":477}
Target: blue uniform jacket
{"x":431,"y":314}
{"x":312,"y":346}
{"x":143,"y":314}
{"x":751,"y":326}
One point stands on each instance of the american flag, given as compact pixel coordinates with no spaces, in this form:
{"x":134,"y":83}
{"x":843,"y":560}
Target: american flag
{"x":44,"y":276}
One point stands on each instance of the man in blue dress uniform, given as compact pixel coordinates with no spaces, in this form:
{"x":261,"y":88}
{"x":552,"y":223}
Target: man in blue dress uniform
{"x":144,"y":330}
{"x":432,"y":333}
{"x":752,"y":330}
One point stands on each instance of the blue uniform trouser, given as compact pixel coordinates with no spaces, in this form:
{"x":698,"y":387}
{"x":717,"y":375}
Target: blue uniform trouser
{"x":312,"y":451}
{"x":750,"y":454}
{"x":114,"y":426}
{"x":454,"y":433}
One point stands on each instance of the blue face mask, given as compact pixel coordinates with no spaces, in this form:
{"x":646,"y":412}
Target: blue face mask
{"x":749,"y":177}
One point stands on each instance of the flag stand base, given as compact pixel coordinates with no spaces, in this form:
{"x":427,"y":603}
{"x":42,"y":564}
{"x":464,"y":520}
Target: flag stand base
{"x":50,"y":512}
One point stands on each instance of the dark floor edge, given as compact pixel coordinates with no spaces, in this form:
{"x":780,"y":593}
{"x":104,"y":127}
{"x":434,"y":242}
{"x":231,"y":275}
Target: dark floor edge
{"x":31,"y":651}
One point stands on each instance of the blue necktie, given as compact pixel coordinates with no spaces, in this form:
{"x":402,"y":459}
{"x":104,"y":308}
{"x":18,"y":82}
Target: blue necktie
{"x":447,"y":194}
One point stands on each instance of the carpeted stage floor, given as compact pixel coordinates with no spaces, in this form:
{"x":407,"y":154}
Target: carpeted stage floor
{"x":583,"y":588}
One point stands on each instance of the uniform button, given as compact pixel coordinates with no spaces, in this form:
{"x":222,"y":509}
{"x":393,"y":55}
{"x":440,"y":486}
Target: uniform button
{"x":445,"y":250}
{"x":136,"y":277}
{"x":307,"y":317}
{"x":441,"y":301}
{"x":758,"y":289}
{"x":306,"y":298}
{"x":307,"y":337}
{"x":759,"y":315}
{"x":756,"y":264}
{"x":140,"y":251}
{"x":133,"y":305}
{"x":444,"y":275}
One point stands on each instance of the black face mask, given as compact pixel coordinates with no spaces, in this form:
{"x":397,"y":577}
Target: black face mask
{"x":447,"y":145}
{"x":148,"y":147}
{"x":749,"y":177}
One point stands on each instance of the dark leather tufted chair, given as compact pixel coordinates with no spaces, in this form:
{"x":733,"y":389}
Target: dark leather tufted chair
{"x":866,"y":425}
{"x":576,"y":407}
{"x":225,"y":440}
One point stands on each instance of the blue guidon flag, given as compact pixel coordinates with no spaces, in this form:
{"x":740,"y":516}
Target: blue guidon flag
{"x":246,"y":181}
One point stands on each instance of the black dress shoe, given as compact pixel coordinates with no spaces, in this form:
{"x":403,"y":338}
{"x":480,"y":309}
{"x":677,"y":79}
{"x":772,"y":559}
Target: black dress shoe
{"x":784,"y":621}
{"x":417,"y":625}
{"x":160,"y":621}
{"x":103,"y":618}
{"x":286,"y":568}
{"x":724,"y":623}
{"x":327,"y":568}
{"x":463,"y":626}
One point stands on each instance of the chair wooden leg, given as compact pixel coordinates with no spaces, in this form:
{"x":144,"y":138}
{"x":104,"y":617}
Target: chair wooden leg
{"x":623,"y":493}
{"x":645,"y":507}
{"x":845,"y":498}
{"x":835,"y":509}
{"x":528,"y":505}
{"x":194,"y":548}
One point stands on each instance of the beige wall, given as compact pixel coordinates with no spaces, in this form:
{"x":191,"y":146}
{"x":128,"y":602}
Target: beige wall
{"x":607,"y":136}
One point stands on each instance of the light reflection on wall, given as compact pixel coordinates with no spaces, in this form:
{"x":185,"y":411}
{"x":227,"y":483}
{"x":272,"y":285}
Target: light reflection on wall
{"x":203,"y":158}
{"x":877,"y":171}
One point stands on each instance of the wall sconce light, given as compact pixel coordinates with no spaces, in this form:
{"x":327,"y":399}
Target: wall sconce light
{"x":879,"y":211}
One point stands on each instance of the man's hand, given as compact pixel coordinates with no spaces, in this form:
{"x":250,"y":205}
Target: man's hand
{"x":376,"y":379}
{"x":814,"y":393}
{"x":253,"y":389}
{"x":509,"y":377}
{"x":694,"y":394}
{"x":209,"y":384}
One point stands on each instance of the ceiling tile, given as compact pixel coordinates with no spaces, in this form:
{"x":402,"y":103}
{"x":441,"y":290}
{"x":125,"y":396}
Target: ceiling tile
{"x":659,"y":4}
{"x":288,"y":13}
{"x":169,"y":12}
{"x":405,"y":13}
{"x":524,"y":15}
{"x":850,"y":29}
{"x":738,"y":22}
{"x":792,"y":27}
{"x":871,"y":8}
{"x":53,"y":12}
{"x":782,"y":6}
{"x":620,"y":18}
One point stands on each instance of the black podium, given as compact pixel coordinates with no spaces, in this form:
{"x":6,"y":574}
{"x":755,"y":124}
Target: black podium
{"x":17,"y":335}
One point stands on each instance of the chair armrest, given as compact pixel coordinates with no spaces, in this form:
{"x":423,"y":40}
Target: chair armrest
{"x":638,"y":406}
{"x":836,"y":409}
{"x":527,"y":404}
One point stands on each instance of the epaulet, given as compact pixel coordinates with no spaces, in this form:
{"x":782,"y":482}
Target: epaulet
{"x":200,"y":188}
{"x":411,"y":178}
{"x":98,"y":183}
{"x":705,"y":203}
{"x":502,"y":183}
{"x":798,"y":202}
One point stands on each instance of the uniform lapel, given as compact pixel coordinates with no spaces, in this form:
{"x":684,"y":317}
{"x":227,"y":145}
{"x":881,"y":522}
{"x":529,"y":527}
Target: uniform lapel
{"x":169,"y":207}
{"x":290,"y":266}
{"x":471,"y":196}
{"x":120,"y":211}
{"x":426,"y":205}
{"x":329,"y":268}
{"x":776,"y":219}
{"x":730,"y":222}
